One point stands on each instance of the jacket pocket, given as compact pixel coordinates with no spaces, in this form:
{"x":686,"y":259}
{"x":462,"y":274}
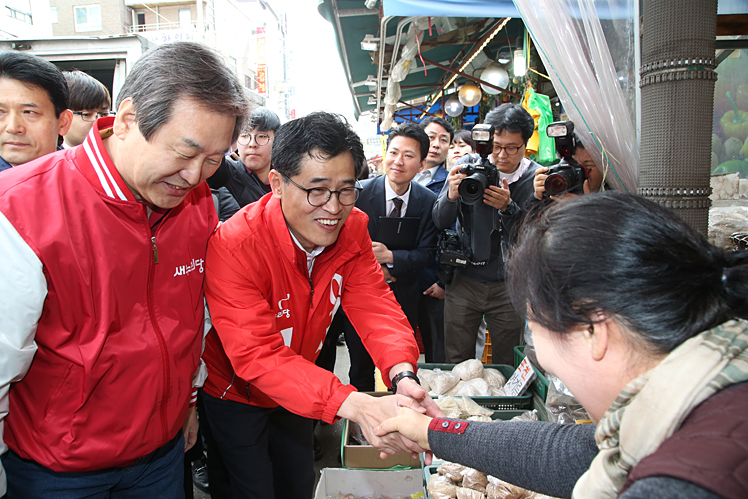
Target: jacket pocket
{"x":61,"y":393}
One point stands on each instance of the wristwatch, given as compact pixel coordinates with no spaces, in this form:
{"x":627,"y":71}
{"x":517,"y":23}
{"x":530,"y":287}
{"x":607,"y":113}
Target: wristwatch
{"x":401,"y":375}
{"x":511,"y":209}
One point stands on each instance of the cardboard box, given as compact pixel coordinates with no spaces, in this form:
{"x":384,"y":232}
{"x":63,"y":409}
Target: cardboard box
{"x":396,"y":484}
{"x":367,"y":456}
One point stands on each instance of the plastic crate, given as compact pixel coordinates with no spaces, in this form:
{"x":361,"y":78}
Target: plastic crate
{"x":540,"y":383}
{"x":521,"y":403}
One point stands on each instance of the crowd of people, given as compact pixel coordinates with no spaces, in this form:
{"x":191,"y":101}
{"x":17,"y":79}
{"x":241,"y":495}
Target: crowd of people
{"x":180,"y":265}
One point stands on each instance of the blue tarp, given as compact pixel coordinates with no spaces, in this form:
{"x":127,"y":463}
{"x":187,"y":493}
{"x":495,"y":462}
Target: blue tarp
{"x":506,"y":8}
{"x":450,"y":8}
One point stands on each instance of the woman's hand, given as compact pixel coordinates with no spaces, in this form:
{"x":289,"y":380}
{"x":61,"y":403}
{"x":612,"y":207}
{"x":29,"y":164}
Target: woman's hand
{"x":409,"y":424}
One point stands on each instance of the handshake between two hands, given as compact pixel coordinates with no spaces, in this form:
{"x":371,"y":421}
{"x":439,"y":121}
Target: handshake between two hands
{"x":394,"y":423}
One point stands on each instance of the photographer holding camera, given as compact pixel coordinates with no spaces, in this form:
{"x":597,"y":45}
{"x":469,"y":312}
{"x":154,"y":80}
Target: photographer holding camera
{"x":485,"y":199}
{"x":564,"y":179}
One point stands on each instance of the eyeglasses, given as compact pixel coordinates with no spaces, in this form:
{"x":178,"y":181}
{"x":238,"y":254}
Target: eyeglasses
{"x":509,"y":150}
{"x":319,"y":196}
{"x":260,"y":139}
{"x":91,"y":116}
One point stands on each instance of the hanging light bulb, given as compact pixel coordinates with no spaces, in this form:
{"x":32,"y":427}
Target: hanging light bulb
{"x":520,"y":65}
{"x":495,"y":75}
{"x":469,"y":94}
{"x":453,"y":107}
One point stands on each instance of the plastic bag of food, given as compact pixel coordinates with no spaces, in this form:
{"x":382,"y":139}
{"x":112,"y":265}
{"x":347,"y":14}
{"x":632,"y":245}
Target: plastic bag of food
{"x":469,"y":369}
{"x":440,"y":487}
{"x":474,"y":479}
{"x":494,"y":378}
{"x":463,"y":493}
{"x":455,"y":389}
{"x":480,"y":419}
{"x":476,"y":387}
{"x":425,"y":384}
{"x":562,"y":406}
{"x":471,"y":408}
{"x":453,"y":471}
{"x":425,"y":374}
{"x":498,"y":392}
{"x":527,"y":416}
{"x":498,"y":489}
{"x":450,"y":406}
{"x":442,"y":382}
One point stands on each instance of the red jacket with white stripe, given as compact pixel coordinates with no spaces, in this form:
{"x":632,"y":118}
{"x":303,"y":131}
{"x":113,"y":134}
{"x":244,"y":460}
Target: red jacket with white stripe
{"x":119,"y":332}
{"x":270,"y":319}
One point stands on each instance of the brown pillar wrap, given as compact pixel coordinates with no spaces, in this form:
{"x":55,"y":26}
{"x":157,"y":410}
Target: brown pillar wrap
{"x":677,"y":103}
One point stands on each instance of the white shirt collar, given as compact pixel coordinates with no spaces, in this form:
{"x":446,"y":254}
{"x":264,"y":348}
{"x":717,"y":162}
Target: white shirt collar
{"x":432,"y":174}
{"x":389,"y":193}
{"x":524,"y":165}
{"x":310,"y":255}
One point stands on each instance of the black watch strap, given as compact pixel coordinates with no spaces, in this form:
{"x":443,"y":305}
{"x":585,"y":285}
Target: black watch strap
{"x":401,"y":375}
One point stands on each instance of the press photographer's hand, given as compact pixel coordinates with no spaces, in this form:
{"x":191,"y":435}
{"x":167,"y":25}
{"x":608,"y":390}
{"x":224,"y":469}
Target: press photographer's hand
{"x":454,"y":182}
{"x":539,"y":182}
{"x":499,"y":196}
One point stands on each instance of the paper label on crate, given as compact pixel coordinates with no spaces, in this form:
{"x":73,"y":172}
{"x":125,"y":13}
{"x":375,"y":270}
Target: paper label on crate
{"x":521,"y":379}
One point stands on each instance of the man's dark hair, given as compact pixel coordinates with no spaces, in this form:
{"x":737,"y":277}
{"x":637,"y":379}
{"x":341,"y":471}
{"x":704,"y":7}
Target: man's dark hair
{"x":412,"y":131}
{"x":86,"y":92}
{"x":33,"y":70}
{"x":318,"y":135}
{"x":263,"y":119}
{"x":173,"y":71}
{"x":439,"y":121}
{"x":630,"y":259}
{"x":466,"y":136}
{"x":513,"y":118}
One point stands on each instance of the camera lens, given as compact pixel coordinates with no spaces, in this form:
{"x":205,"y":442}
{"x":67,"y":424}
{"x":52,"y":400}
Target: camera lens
{"x":471,"y":188}
{"x":556,"y":184}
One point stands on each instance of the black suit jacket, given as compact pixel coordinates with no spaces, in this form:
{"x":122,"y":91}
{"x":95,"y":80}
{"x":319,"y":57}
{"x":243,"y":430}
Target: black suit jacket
{"x":243,"y":185}
{"x":406,"y":263}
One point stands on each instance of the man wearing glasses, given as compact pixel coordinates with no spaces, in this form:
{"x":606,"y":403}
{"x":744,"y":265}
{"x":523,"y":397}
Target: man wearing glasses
{"x":276,"y":273}
{"x":33,"y":108}
{"x":89,"y":101}
{"x":246,"y":176}
{"x":479,"y":289}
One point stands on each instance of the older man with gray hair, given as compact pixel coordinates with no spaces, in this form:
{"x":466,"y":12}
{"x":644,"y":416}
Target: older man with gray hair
{"x":105,"y":246}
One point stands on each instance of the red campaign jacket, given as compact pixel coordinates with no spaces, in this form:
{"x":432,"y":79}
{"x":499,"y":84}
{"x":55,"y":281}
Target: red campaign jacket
{"x":270,"y":324}
{"x":119,"y":336}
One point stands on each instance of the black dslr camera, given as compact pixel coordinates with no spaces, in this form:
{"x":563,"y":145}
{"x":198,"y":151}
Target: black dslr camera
{"x":451,"y":255}
{"x":568,"y":175}
{"x":479,"y":175}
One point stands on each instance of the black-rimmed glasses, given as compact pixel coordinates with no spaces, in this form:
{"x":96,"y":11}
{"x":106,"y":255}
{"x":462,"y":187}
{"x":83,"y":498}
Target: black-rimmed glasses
{"x":510,"y":150}
{"x":93,"y":116}
{"x":319,"y":196}
{"x":260,"y":139}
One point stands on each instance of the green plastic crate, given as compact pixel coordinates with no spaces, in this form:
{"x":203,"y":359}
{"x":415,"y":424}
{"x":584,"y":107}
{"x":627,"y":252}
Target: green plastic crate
{"x":521,"y":403}
{"x":540,"y":383}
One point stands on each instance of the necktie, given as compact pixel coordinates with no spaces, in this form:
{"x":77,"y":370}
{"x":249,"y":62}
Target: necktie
{"x":396,"y":211}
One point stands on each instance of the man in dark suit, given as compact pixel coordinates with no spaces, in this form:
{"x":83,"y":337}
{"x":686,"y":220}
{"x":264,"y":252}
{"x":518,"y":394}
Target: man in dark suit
{"x":431,"y":305}
{"x":394,"y":194}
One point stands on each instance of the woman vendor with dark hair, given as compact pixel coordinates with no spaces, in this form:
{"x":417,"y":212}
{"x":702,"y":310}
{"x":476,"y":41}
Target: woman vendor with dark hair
{"x":642,"y":319}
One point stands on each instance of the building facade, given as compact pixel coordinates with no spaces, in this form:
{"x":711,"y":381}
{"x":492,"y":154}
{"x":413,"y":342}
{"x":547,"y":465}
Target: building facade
{"x":250,"y":34}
